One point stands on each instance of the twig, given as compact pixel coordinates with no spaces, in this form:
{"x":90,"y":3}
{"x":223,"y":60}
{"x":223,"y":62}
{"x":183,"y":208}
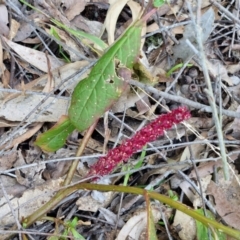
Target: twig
{"x":180,"y":99}
{"x":80,"y":150}
{"x":229,"y":14}
{"x":197,"y":190}
{"x":28,"y":92}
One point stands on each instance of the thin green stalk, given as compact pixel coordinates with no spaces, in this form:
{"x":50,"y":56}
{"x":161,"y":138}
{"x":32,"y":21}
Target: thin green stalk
{"x":209,"y":90}
{"x":174,"y":204}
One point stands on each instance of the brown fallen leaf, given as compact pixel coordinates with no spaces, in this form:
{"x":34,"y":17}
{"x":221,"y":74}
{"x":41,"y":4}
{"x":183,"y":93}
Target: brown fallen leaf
{"x":34,"y":57}
{"x":73,"y":8}
{"x":29,"y":202}
{"x":7,"y":160}
{"x":135,"y":228}
{"x":227,"y":199}
{"x":187,"y":225}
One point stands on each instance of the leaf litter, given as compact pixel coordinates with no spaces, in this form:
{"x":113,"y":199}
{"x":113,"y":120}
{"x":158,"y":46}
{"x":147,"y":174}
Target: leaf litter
{"x":24,"y":51}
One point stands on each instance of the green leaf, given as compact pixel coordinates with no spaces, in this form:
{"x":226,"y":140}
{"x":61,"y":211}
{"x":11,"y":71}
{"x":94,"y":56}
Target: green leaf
{"x":96,"y":93}
{"x":202,"y":230}
{"x":55,"y":138}
{"x":158,"y":3}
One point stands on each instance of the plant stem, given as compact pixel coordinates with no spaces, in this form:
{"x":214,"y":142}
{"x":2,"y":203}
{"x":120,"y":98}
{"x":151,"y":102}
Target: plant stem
{"x":80,"y":150}
{"x":209,"y":90}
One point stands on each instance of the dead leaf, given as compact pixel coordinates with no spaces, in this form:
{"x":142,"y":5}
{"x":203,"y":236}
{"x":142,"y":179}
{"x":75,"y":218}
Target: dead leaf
{"x":15,"y":108}
{"x":205,"y":169}
{"x":113,"y":14}
{"x":34,"y":57}
{"x":4,"y":30}
{"x":73,"y":8}
{"x":136,"y":225}
{"x":25,"y":29}
{"x":187,"y":225}
{"x":29,"y":202}
{"x":11,"y":186}
{"x":227,"y":201}
{"x":218,"y":70}
{"x":14,"y":29}
{"x":7,"y":160}
{"x":111,"y":18}
{"x":88,"y":203}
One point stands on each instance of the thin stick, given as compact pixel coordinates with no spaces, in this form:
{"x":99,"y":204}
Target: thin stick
{"x":80,"y":150}
{"x":229,"y":14}
{"x":180,"y":99}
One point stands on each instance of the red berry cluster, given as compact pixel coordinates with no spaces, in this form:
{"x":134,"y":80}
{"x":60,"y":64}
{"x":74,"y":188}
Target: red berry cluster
{"x":147,"y":134}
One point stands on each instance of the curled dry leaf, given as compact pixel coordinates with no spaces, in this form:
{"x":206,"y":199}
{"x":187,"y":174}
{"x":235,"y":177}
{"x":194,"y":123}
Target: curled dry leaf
{"x":113,"y":14}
